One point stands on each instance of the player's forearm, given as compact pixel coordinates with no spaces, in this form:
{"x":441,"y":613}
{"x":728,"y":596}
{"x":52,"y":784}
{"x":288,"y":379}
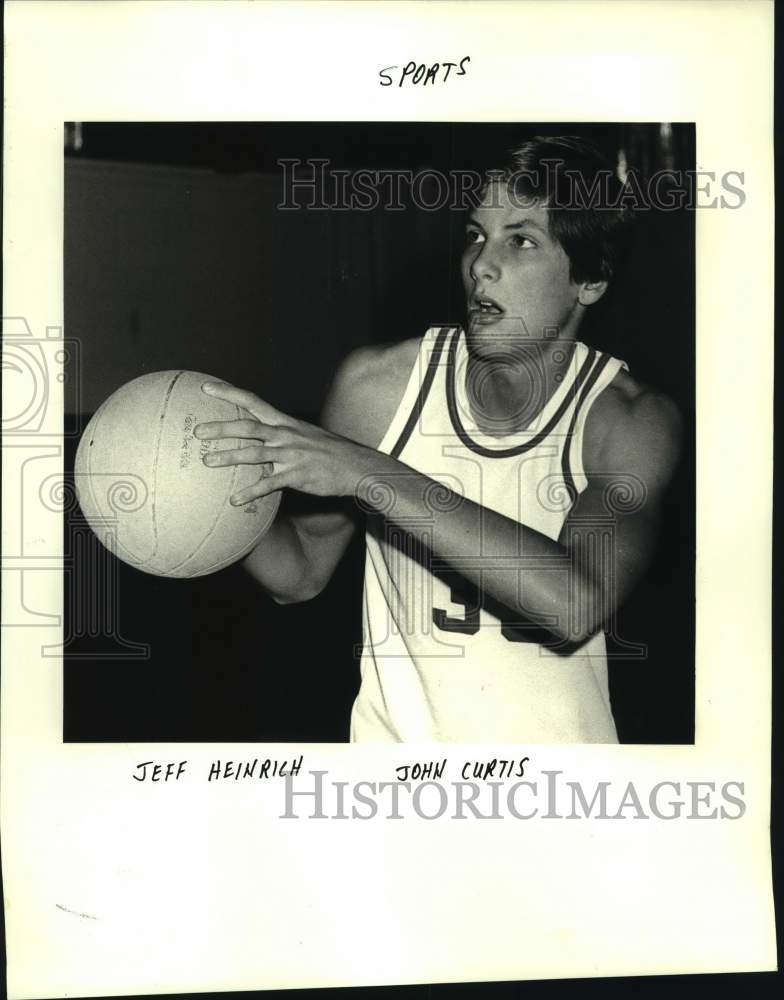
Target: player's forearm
{"x":524,"y":570}
{"x":280,"y":564}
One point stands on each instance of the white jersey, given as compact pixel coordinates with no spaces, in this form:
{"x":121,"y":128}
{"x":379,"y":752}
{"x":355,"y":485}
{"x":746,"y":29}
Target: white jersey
{"x":437,"y":666}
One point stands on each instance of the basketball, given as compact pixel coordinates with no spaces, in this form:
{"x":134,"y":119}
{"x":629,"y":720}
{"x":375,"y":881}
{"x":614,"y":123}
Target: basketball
{"x":145,"y":491}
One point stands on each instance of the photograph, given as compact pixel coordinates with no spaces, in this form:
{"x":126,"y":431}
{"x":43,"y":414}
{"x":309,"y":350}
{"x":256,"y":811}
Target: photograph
{"x":443,"y":486}
{"x":387,"y":484}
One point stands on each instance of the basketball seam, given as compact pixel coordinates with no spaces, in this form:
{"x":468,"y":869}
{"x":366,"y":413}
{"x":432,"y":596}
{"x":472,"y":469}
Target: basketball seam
{"x":161,"y":418}
{"x":239,"y":553}
{"x":216,"y":520}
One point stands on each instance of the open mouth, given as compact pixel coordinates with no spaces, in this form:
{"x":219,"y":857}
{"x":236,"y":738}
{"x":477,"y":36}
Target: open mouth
{"x":486,"y":307}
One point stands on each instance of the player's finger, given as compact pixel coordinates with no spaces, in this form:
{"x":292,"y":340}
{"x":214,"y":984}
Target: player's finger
{"x":253,"y":455}
{"x":247,"y":429}
{"x":263,"y":488}
{"x":242,"y":397}
{"x":229,"y":429}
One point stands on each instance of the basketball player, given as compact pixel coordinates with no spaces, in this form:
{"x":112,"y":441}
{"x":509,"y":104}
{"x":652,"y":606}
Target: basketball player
{"x":508,"y":476}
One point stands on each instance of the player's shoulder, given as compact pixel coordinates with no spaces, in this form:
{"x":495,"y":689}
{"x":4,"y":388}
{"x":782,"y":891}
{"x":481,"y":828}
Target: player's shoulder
{"x":367,"y":390}
{"x":378,"y":364}
{"x":632,"y":426}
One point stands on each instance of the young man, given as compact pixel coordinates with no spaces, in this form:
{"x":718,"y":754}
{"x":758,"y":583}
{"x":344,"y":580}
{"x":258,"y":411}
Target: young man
{"x":509,"y":479}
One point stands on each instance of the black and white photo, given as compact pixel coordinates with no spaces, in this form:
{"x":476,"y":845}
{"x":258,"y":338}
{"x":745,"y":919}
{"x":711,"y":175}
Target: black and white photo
{"x":431,"y":323}
{"x":387,"y":472}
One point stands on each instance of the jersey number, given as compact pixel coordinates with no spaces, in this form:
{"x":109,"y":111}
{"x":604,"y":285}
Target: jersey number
{"x":467,"y":596}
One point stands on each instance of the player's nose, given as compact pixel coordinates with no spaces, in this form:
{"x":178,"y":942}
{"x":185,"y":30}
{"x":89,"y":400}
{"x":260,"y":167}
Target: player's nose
{"x":484,"y":267}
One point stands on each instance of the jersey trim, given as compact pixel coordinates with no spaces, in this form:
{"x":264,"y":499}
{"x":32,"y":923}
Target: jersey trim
{"x":566,"y":464}
{"x":519,"y":449}
{"x":427,"y":383}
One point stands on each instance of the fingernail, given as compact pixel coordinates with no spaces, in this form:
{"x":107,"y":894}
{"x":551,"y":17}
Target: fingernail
{"x":209,"y":387}
{"x":235,"y":502}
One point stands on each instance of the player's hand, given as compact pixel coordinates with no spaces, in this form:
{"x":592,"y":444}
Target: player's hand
{"x":302,"y":456}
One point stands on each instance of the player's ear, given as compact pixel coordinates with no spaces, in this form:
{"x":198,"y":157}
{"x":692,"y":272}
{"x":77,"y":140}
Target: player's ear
{"x":590,"y":292}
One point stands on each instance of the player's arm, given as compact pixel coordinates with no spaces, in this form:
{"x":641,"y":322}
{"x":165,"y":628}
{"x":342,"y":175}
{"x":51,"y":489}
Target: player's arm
{"x":630,"y":452}
{"x":567,"y":584}
{"x":299,"y":553}
{"x":297,"y":556}
{"x":570,"y":586}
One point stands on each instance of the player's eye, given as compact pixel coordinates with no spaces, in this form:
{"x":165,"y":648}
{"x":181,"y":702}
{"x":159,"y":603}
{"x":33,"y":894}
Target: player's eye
{"x":522,"y":242}
{"x":474,"y":236}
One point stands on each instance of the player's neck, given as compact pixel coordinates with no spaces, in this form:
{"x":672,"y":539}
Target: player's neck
{"x":506,"y":394}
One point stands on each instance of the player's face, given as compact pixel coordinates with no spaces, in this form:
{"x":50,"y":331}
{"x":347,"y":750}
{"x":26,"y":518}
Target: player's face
{"x":515,"y":275}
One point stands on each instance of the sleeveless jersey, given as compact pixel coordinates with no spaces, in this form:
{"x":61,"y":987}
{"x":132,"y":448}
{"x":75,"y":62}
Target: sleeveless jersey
{"x":435,"y":665}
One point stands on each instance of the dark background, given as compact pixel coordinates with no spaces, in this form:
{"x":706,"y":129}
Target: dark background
{"x":176,"y":256}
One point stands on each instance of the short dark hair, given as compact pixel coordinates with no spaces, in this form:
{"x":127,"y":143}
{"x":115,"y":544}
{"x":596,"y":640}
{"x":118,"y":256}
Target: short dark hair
{"x":580,"y":189}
